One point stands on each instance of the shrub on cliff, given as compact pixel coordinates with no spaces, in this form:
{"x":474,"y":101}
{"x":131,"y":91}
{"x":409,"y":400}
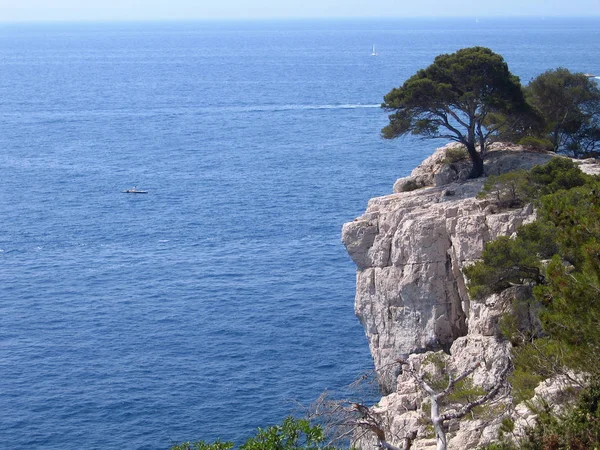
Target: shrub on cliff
{"x":564,"y":244}
{"x":505,"y":262}
{"x":453,"y":99}
{"x":575,"y":428}
{"x":201,"y":445}
{"x":558,"y":254}
{"x":514,"y":189}
{"x":508,"y":190}
{"x":455,"y":154}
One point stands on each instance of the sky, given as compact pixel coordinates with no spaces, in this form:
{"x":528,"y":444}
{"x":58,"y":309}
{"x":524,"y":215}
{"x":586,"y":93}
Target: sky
{"x":123,"y":10}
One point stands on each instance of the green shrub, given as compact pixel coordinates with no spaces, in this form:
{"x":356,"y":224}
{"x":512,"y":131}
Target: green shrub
{"x":536,"y":143}
{"x":577,"y":428}
{"x":505,"y":262}
{"x":292,"y":434}
{"x":410,"y":185}
{"x":509,"y":190}
{"x":455,"y":154}
{"x":558,"y":174}
{"x":523,"y":383}
{"x":514,"y":189}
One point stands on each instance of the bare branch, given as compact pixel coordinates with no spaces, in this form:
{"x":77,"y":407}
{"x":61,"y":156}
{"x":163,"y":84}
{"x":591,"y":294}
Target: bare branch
{"x":471,"y":405}
{"x":452,"y":382}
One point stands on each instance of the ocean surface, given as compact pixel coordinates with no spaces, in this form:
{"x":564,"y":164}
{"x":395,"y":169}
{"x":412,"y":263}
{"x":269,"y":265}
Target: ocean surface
{"x":222,"y":298}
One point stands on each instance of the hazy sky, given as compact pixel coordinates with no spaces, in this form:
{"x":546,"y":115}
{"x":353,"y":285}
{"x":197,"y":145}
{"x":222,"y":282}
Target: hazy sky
{"x":24,"y":10}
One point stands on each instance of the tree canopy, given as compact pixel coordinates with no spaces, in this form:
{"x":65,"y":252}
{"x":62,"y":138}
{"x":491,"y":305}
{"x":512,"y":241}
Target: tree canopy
{"x":570,"y":106}
{"x":455,"y":98}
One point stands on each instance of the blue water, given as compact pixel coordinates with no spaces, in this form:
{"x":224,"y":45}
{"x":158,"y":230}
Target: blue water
{"x":207,"y":307}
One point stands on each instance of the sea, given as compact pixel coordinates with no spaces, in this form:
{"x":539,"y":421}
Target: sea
{"x":222,"y":300}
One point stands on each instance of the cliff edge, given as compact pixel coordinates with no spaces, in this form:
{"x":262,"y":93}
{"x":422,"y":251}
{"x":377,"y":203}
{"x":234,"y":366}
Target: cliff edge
{"x":411,"y":298}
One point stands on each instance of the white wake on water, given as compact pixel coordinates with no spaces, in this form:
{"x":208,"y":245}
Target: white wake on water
{"x":277,"y":108}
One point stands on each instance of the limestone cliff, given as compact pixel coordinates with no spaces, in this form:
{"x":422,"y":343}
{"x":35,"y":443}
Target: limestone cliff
{"x":411,"y":298}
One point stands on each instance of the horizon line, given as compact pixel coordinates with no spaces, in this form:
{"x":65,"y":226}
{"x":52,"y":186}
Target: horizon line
{"x":292,"y":19}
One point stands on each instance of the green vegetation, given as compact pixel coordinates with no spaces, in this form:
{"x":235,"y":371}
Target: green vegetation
{"x":471,"y":97}
{"x":514,"y":189}
{"x":453,"y":99}
{"x":570,"y":106}
{"x":508,"y":190}
{"x":452,"y":396}
{"x":506,"y":261}
{"x":455,"y":154}
{"x":558,"y":258}
{"x":576,"y":428}
{"x":558,"y":255}
{"x":292,"y":434}
{"x":410,"y":185}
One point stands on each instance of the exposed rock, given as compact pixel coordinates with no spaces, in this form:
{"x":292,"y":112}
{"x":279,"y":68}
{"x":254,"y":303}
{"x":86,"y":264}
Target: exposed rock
{"x":438,"y":171}
{"x":411,"y":296}
{"x":409,"y":249}
{"x":554,"y":392}
{"x":590,"y":166}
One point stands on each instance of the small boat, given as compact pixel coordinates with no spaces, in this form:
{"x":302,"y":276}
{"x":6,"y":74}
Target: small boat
{"x":134,"y":191}
{"x":373,"y":52}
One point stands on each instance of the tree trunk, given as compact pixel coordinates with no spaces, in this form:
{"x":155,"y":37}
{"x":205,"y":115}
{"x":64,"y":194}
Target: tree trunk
{"x":438,"y":424}
{"x":476,"y":159}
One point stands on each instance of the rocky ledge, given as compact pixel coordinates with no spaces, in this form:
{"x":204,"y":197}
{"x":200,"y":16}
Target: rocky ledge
{"x":409,"y":248}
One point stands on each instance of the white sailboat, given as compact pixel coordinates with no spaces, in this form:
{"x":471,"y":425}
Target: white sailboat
{"x":373,"y":52}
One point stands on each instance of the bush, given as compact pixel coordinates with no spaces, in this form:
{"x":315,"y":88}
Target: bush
{"x":536,"y":144}
{"x":292,"y":434}
{"x":509,"y":190}
{"x":576,"y":429}
{"x":514,"y":189}
{"x":455,"y":154}
{"x":558,"y":174}
{"x":505,"y":262}
{"x":410,"y":185}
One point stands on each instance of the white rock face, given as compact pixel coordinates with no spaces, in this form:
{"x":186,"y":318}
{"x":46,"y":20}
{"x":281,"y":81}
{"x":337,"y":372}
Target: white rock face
{"x":409,"y":248}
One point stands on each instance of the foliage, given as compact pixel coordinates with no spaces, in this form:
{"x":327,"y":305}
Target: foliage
{"x":576,"y":429}
{"x":453,"y":97}
{"x":505,"y":262}
{"x":292,"y":434}
{"x":500,"y":445}
{"x":514,"y":189}
{"x":410,"y":185}
{"x":436,"y":370}
{"x":437,"y":374}
{"x":464,"y":392}
{"x":508,"y":190}
{"x":563,"y":244}
{"x":570,"y":105}
{"x":556,"y":175}
{"x":540,"y":144}
{"x":455,"y":154}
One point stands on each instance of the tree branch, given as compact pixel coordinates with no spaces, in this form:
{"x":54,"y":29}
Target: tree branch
{"x":471,"y":405}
